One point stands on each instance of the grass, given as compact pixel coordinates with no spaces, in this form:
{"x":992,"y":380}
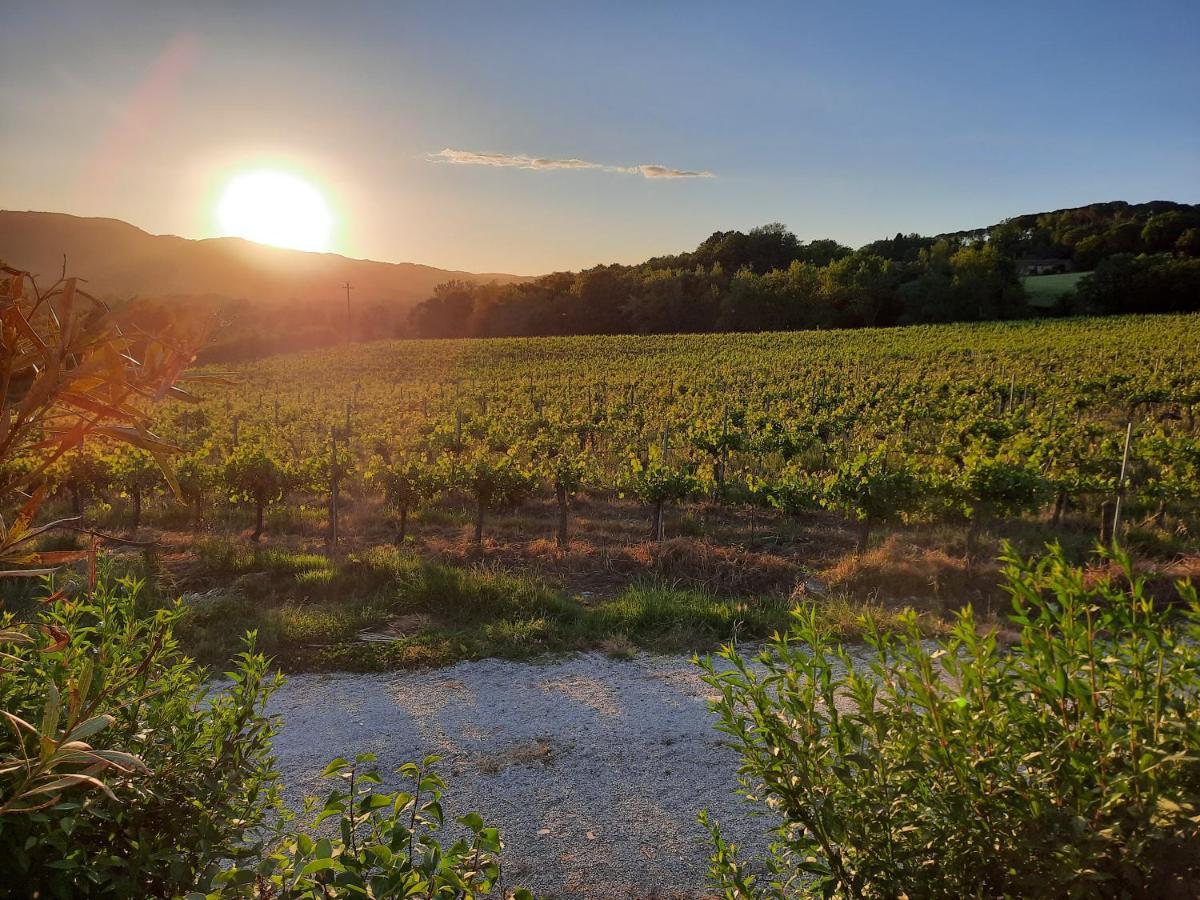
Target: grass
{"x":441,"y":598}
{"x":1045,"y":290}
{"x":435,"y":613}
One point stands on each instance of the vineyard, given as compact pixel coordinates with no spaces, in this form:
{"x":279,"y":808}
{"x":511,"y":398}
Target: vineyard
{"x":630,"y":486}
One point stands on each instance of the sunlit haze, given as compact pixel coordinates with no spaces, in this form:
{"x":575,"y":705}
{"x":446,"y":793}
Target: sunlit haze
{"x":528,"y":138}
{"x":275,"y":208}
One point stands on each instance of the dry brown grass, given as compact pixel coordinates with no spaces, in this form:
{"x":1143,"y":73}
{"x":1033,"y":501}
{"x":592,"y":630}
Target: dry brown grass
{"x":1161,"y":577}
{"x":898,"y":571}
{"x":696,"y":563}
{"x":618,"y":646}
{"x":527,"y":753}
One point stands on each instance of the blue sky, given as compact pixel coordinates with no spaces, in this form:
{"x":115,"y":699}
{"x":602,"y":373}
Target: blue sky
{"x":847,"y":120}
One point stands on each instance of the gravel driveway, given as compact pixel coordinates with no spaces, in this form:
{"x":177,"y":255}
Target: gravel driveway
{"x":593,"y":768}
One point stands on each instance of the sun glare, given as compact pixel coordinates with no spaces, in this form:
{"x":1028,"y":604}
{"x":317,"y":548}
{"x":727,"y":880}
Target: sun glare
{"x":275,"y":208}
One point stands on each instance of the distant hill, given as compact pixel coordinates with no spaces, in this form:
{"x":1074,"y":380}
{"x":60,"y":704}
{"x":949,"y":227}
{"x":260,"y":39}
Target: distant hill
{"x":265,"y":299}
{"x":121,"y":261}
{"x":1120,"y":257}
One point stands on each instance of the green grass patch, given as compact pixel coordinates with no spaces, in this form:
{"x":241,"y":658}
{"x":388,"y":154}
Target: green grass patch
{"x":1046,"y":290}
{"x":450,"y":613}
{"x":662,"y":618}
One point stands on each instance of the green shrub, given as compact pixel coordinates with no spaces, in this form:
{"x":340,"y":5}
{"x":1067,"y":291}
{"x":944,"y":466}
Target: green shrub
{"x":1068,"y":765}
{"x":385,"y":845}
{"x":133,"y":781}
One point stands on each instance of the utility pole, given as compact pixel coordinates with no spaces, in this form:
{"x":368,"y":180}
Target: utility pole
{"x":347,"y":286}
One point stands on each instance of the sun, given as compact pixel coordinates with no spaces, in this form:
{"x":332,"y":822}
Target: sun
{"x":276,"y":208}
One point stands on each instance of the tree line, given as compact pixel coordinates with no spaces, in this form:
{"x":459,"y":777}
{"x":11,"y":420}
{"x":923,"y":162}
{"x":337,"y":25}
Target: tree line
{"x":1146,"y":259}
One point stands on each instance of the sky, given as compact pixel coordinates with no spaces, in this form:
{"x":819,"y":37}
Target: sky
{"x":532,"y":137}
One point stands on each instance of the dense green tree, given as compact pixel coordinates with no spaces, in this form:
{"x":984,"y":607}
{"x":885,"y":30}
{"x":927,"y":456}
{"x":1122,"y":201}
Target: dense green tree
{"x":1162,"y":231}
{"x":1141,"y":284}
{"x":986,"y":283}
{"x":1188,"y":243}
{"x":861,"y":288}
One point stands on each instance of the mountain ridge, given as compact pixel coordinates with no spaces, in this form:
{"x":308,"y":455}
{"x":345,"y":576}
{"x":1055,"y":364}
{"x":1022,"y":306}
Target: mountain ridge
{"x":122,"y":261}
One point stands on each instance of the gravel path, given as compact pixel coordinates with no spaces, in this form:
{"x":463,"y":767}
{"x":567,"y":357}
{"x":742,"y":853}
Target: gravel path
{"x":593,"y":768}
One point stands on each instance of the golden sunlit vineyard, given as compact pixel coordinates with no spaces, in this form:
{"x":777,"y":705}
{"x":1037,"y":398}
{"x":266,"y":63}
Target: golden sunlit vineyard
{"x":956,"y":423}
{"x":514,"y":496}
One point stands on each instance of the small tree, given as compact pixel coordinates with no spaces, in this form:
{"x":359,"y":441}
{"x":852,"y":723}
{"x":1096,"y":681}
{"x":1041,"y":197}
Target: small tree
{"x":407,"y":482}
{"x":1175,"y":477}
{"x":658,"y":484}
{"x":716,"y":442}
{"x":567,"y":474}
{"x":986,"y":488}
{"x":1074,"y":463}
{"x":565,"y":468}
{"x":83,"y":474}
{"x":796,"y":491}
{"x":253,"y":475}
{"x":751,"y":490}
{"x":198,"y":477}
{"x":136,"y":472}
{"x":871,"y":489}
{"x":494,"y":481}
{"x":325,"y":472}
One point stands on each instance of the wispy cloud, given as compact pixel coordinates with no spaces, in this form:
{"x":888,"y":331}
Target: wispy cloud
{"x":537,"y":163}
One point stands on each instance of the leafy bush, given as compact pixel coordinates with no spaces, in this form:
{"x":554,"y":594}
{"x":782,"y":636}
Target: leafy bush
{"x":494,"y":481}
{"x":870,"y":488}
{"x":1066,"y":766}
{"x":407,"y":483}
{"x":385,"y":845}
{"x":133,"y":781}
{"x":253,"y":475}
{"x":658,"y":483}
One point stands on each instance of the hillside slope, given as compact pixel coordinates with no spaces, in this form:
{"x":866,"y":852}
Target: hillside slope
{"x":121,"y":261}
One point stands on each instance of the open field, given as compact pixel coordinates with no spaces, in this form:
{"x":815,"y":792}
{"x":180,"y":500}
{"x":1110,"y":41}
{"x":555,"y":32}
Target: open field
{"x":1045,"y":290}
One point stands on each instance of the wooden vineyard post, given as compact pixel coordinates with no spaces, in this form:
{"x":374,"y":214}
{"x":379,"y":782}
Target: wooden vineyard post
{"x":1116,"y":516}
{"x":333,"y":491}
{"x":724,"y":463}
